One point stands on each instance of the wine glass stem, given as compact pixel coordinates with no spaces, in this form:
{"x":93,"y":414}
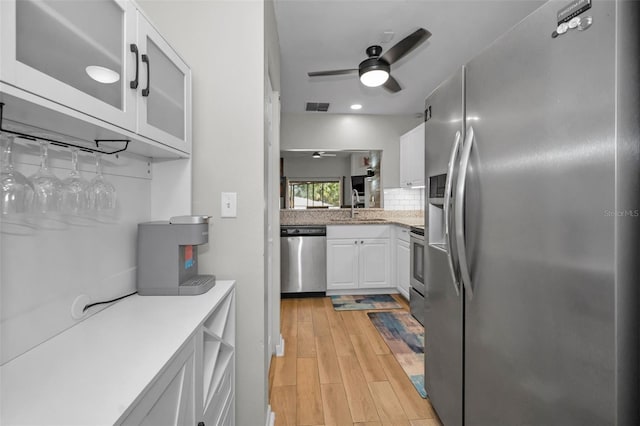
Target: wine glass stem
{"x":44,"y":156}
{"x":98,"y":165}
{"x":7,"y":162}
{"x":74,"y":163}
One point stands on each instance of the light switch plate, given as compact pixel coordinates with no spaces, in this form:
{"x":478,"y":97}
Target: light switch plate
{"x":228,"y":204}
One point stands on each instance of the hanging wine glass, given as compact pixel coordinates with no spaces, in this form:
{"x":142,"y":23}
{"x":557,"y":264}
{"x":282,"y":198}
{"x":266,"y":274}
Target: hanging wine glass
{"x":101,"y":193}
{"x":75,"y":200}
{"x":17,"y":191}
{"x":46,"y":185}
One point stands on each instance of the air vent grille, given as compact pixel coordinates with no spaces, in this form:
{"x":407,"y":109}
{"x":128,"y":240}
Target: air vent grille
{"x":317,"y":106}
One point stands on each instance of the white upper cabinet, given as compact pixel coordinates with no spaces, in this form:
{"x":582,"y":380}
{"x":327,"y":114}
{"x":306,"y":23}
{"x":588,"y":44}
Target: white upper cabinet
{"x":164,"y":104}
{"x":412,"y":158}
{"x":48,"y":45}
{"x":101,"y":58}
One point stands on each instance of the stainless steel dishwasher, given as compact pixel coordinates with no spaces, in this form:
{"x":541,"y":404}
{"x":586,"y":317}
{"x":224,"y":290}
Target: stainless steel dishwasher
{"x":303,"y":259}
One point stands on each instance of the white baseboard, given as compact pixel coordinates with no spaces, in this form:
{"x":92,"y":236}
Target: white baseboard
{"x":280,"y":347}
{"x":271,"y":417}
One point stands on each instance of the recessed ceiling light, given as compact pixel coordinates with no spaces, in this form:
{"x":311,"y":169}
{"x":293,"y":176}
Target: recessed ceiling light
{"x":102,"y":74}
{"x":356,"y":106}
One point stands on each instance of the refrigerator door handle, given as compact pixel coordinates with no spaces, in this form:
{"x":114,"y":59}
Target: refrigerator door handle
{"x":459,"y":212}
{"x":447,"y":211}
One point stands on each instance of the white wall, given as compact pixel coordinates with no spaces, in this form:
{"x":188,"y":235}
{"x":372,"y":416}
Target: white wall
{"x":272,"y":181}
{"x":45,"y":265}
{"x":320,"y":131}
{"x":223,"y":43}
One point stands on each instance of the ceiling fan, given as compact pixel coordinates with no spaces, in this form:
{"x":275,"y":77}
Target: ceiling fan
{"x":320,"y":154}
{"x":375,"y":70}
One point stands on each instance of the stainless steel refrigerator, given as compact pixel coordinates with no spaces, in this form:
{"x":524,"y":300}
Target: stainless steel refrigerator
{"x":533,"y":254}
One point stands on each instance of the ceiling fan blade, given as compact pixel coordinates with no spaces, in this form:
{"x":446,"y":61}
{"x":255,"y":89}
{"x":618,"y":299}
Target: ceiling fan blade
{"x":327,"y":155}
{"x":406,"y":45}
{"x":392,"y":85}
{"x":332,"y":72}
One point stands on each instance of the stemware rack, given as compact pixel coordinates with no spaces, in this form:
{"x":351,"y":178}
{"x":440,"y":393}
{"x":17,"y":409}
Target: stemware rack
{"x":102,"y":146}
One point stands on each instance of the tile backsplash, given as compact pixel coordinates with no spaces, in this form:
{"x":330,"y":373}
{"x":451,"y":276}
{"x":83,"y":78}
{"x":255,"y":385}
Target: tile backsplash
{"x":404,"y":199}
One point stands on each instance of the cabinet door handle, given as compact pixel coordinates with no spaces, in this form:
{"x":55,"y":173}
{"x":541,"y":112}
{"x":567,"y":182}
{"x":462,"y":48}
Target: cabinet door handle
{"x":134,"y":84}
{"x":145,"y":58}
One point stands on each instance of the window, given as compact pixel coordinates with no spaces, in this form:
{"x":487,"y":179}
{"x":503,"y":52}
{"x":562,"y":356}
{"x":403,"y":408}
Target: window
{"x":309,"y":194}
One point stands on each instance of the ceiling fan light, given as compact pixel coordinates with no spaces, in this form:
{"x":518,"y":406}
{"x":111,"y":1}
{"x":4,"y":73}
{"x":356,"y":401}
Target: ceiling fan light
{"x":316,"y":155}
{"x":374,"y":72}
{"x":374,"y":78}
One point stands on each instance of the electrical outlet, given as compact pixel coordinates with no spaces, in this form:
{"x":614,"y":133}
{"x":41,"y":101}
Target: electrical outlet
{"x":228,"y":204}
{"x":77,"y":307}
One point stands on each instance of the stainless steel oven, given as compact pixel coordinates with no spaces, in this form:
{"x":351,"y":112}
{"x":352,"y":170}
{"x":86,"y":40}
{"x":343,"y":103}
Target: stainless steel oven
{"x":417,"y":273}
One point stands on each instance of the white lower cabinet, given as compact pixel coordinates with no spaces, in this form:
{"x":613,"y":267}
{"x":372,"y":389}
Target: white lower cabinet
{"x":170,"y":400}
{"x":146,"y":360}
{"x":358,"y":257}
{"x":215,"y":369}
{"x":374,"y":261}
{"x":402,"y":261}
{"x":342,"y":264}
{"x":198,"y":386}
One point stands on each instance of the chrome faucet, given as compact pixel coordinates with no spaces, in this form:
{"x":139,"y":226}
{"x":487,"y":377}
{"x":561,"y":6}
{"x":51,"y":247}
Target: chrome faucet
{"x":355,"y":198}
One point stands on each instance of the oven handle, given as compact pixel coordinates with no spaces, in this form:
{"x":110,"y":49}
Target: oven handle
{"x":447,"y":211}
{"x":459,"y":213}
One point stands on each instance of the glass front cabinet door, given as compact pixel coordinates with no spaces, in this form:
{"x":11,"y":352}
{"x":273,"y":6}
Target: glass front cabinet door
{"x":164,"y":104}
{"x":75,"y":53}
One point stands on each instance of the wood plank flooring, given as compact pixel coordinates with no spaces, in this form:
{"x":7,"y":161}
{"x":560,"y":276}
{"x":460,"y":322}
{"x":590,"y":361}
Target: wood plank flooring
{"x":337,"y":370}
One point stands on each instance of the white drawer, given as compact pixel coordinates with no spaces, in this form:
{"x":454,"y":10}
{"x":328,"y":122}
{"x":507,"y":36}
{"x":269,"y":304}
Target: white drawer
{"x":402,"y":233}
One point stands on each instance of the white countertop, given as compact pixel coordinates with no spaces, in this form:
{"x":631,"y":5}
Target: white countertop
{"x":91,"y":373}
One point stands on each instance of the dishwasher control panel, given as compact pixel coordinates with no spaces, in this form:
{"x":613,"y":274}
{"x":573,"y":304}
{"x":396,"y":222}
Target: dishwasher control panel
{"x":300,"y":231}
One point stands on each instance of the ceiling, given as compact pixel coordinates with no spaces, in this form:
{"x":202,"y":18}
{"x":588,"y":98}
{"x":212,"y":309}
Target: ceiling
{"x":318,"y":35}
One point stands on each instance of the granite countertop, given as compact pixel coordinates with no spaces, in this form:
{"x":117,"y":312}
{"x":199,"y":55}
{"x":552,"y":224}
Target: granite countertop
{"x":406,"y":219}
{"x":406,"y":222}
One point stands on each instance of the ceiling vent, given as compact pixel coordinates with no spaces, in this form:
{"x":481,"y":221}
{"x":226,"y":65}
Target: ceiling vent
{"x":317,"y":106}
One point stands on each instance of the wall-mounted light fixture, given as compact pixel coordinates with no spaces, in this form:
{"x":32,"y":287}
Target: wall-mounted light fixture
{"x":102,"y":74}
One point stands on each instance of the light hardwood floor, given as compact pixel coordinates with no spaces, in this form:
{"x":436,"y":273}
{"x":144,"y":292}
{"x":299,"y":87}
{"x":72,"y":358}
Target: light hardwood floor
{"x":337,"y":370}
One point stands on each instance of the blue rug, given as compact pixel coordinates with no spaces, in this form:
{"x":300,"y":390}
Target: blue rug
{"x":405,"y":337}
{"x":364,"y":302}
